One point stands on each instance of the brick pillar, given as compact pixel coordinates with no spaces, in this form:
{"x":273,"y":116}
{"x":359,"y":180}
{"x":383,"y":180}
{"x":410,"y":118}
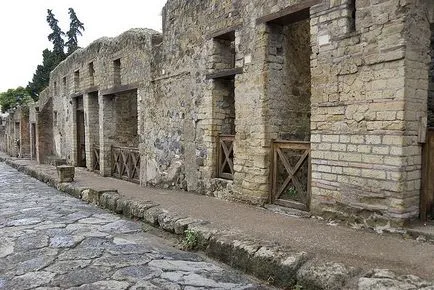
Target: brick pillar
{"x":24,"y":134}
{"x":106,"y":115}
{"x":91,"y":115}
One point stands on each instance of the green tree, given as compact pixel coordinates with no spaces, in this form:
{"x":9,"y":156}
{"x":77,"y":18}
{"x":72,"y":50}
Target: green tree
{"x":75,"y":28}
{"x":56,"y":36}
{"x":13,"y":98}
{"x":41,"y":77}
{"x":51,"y":58}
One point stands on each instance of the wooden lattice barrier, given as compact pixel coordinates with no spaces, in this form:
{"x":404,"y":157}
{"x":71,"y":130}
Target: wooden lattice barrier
{"x":95,"y":157}
{"x":291,"y":174}
{"x":226,"y":157}
{"x":126,"y":163}
{"x":427,"y":194}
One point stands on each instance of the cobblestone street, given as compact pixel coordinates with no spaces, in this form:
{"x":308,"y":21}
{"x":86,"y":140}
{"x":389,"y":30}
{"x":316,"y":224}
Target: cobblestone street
{"x":48,"y":239}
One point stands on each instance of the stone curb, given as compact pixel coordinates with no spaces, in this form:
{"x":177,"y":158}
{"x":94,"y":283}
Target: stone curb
{"x":279,"y":266}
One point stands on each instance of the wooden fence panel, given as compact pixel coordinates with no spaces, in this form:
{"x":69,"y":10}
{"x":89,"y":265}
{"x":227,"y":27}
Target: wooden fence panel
{"x":291,"y":174}
{"x":226,"y":157}
{"x":427,"y":194}
{"x":126,"y":163}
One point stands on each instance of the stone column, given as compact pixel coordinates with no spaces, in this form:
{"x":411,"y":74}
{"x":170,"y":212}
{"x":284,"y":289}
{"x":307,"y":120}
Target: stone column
{"x":91,"y":115}
{"x":106,"y":131}
{"x":24,"y":133}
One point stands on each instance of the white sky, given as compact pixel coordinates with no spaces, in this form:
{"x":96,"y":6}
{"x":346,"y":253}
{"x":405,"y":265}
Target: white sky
{"x":24,"y":30}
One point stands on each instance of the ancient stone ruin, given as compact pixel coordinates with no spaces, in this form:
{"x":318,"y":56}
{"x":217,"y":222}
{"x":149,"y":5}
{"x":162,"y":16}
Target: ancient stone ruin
{"x":319,"y":105}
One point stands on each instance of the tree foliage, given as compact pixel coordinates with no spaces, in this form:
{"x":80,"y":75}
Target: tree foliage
{"x":41,"y":77}
{"x":13,"y":98}
{"x":56,"y":36}
{"x":75,"y":29}
{"x":51,"y":58}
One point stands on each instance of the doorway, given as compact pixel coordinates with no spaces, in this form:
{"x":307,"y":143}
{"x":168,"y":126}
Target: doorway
{"x":289,"y":105}
{"x":33,"y":136}
{"x":427,"y":193}
{"x":81,"y":143}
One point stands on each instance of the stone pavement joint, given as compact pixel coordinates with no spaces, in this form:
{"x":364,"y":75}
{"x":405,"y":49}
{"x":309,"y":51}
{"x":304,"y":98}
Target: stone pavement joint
{"x":49,"y":240}
{"x":278,"y":263}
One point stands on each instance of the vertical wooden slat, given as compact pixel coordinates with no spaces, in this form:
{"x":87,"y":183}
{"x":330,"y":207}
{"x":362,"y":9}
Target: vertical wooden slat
{"x":274,"y":172}
{"x":430,"y":174}
{"x":309,"y":180}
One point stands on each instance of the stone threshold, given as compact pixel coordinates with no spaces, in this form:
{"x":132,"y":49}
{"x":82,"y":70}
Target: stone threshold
{"x":268,"y":261}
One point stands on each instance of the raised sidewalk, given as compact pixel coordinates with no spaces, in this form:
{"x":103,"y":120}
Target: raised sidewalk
{"x":287,"y":251}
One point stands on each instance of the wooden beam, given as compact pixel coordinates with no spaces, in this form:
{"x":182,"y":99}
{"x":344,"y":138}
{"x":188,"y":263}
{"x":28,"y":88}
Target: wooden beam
{"x":119,"y":89}
{"x":92,"y":89}
{"x":225,"y":74}
{"x":289,"y":14}
{"x":76,"y":95}
{"x":227,"y":33}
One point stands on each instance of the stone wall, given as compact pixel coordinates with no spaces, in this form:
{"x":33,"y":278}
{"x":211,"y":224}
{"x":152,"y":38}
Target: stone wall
{"x":351,"y":79}
{"x":99,"y":72}
{"x":91,"y":116}
{"x":44,"y":127}
{"x":366,"y":159}
{"x":289,"y":81}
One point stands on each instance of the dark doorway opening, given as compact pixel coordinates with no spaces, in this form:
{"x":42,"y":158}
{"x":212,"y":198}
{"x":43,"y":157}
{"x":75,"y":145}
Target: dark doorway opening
{"x":33,"y":132}
{"x":81,"y":143}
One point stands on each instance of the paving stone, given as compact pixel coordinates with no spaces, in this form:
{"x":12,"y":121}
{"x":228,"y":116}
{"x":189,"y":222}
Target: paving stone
{"x":65,"y":241}
{"x":184,"y":266}
{"x":104,"y":285}
{"x":127,"y":249}
{"x":6,"y":247}
{"x":136,"y":273}
{"x":62,"y":267}
{"x":34,"y":264}
{"x":24,"y":222}
{"x":121,"y":261}
{"x":81,"y":254}
{"x":82,"y":276}
{"x":121,"y":226}
{"x":62,"y":243}
{"x":30,"y":280}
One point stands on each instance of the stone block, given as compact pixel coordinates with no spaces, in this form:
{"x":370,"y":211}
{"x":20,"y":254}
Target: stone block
{"x":66,"y":173}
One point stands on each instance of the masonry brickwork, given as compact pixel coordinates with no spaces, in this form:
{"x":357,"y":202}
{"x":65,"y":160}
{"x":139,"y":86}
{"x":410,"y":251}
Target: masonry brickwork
{"x":350,"y":77}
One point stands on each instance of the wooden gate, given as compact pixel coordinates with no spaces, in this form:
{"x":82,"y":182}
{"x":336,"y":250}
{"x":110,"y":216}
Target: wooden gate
{"x":226,"y":157}
{"x":95,"y":157}
{"x":291,"y":174}
{"x":126,"y":163}
{"x":427,"y":194}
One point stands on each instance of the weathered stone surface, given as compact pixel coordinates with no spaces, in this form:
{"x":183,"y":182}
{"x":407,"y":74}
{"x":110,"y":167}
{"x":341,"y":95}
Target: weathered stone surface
{"x":104,"y":285}
{"x":385,"y":279}
{"x":151,"y":215}
{"x":82,"y":276}
{"x":6,"y":247}
{"x":121,"y":226}
{"x":181,"y":225}
{"x":135,"y":273}
{"x":65,"y":241}
{"x":77,"y":245}
{"x":350,"y":79}
{"x":324,"y":275}
{"x":31,"y":280}
{"x":63,"y":267}
{"x":66,"y":173}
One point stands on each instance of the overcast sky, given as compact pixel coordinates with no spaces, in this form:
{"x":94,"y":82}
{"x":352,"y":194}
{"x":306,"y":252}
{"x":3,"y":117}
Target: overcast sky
{"x":24,"y":30}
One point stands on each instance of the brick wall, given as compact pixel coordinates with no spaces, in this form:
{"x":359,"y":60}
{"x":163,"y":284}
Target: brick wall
{"x":357,"y":88}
